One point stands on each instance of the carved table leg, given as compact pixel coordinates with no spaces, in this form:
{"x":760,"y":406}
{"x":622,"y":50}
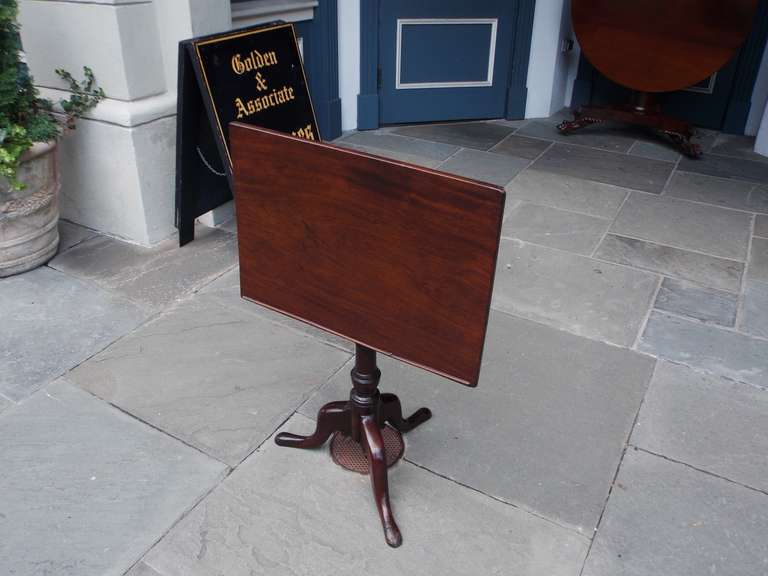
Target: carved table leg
{"x":682,"y":141}
{"x":392,"y":412}
{"x":645,"y":111}
{"x":333,"y":417}
{"x":360,"y":420}
{"x":377,"y":460}
{"x":579,"y":121}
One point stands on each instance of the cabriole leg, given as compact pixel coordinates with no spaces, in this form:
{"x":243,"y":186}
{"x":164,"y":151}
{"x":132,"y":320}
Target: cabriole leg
{"x":377,"y":460}
{"x":333,"y":417}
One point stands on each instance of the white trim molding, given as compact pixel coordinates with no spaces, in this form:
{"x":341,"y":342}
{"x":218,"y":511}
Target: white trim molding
{"x":492,"y":22}
{"x":261,"y":11}
{"x":708,"y":89}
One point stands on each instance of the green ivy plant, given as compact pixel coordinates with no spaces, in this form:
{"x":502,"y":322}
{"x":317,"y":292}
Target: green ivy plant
{"x":25,"y":118}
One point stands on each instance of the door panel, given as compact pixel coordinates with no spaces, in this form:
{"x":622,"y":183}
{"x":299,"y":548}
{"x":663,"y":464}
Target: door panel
{"x":444,"y":60}
{"x":469,"y":62}
{"x":706,"y":103}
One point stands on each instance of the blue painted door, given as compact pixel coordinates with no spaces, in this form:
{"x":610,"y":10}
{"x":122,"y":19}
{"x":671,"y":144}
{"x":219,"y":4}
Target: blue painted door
{"x":444,"y":59}
{"x":705,"y":103}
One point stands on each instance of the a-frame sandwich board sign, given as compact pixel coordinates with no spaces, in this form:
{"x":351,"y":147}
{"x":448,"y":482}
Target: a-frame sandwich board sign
{"x":253,"y":75}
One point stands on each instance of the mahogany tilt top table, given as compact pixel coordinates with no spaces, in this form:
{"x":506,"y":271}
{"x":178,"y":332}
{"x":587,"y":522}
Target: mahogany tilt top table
{"x":655,"y":46}
{"x":398,"y":258}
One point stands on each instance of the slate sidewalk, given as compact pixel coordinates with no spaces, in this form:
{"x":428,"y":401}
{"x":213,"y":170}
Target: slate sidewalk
{"x":620,"y":426}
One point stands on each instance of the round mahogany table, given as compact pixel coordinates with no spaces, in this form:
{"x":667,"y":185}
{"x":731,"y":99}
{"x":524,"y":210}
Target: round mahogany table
{"x":653,"y":46}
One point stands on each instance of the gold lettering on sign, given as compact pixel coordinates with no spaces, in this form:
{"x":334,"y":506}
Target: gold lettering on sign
{"x":253,"y":61}
{"x":307,"y":133}
{"x":277,"y":97}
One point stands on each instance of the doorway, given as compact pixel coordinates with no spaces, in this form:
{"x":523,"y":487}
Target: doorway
{"x":440,"y":60}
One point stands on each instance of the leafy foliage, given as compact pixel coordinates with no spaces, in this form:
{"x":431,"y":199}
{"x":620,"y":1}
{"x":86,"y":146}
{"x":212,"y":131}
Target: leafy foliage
{"x":84,"y":95}
{"x":26,"y":118}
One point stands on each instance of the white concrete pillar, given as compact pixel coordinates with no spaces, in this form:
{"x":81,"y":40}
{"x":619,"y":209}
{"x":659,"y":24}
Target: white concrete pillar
{"x":117,"y":167}
{"x":551,"y":71}
{"x":349,"y":61}
{"x":761,"y":140}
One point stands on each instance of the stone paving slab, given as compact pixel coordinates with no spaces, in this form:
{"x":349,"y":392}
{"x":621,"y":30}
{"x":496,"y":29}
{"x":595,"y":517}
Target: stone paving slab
{"x":557,"y":117}
{"x":761,"y":226}
{"x":555,"y":228}
{"x":511,"y":123}
{"x":226,"y":290}
{"x":521,"y":147}
{"x":666,"y":519}
{"x":758,"y":199}
{"x":71,"y":234}
{"x":723,"y":192}
{"x":707,"y":347}
{"x":705,"y":304}
{"x":234,"y":301}
{"x":230,"y":226}
{"x":212,"y":376}
{"x":394,"y":155}
{"x":293,"y":512}
{"x":395,"y":143}
{"x":737,"y":145}
{"x":566,"y":193}
{"x":154,"y":277}
{"x":707,"y":422}
{"x":607,"y":167}
{"x":726,"y":167}
{"x":705,"y":138}
{"x":685,"y":225}
{"x":228,"y":282}
{"x":604,"y":137}
{"x":477,"y":135}
{"x":4,"y":403}
{"x":705,"y":270}
{"x":758,"y":260}
{"x":85,"y":490}
{"x":545,"y":427}
{"x":485,"y":166}
{"x":51,"y":323}
{"x":754,"y":317}
{"x":654,"y":151}
{"x":141,"y":569}
{"x":586,"y":297}
{"x":701,"y":188}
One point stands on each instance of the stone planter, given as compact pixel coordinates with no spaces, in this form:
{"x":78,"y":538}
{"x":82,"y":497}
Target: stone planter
{"x":29,"y":233}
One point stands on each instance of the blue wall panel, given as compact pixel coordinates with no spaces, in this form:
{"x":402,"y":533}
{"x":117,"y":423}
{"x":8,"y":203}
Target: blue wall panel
{"x":444,"y":52}
{"x":321,"y":64}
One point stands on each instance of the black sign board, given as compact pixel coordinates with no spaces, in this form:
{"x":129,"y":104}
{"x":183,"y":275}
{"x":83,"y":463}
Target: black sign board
{"x":252,"y":75}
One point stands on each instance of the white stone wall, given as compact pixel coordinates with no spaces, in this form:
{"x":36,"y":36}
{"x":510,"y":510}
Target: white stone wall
{"x":761,"y":138}
{"x":349,"y":61}
{"x":551,"y":71}
{"x":759,"y":97}
{"x":117,"y":167}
